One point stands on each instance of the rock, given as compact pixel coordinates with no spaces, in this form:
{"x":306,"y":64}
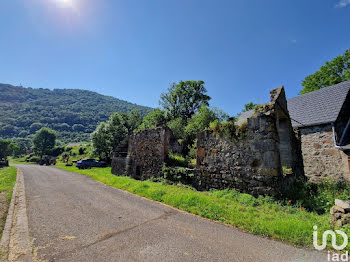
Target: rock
{"x":337,"y":209}
{"x":345,"y":204}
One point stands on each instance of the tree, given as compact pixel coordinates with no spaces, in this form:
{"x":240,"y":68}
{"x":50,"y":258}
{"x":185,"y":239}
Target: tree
{"x":78,"y":128}
{"x":333,"y":72}
{"x":199,"y":122}
{"x":177,"y":125}
{"x":35,"y":127}
{"x":117,"y":130}
{"x":155,"y":118}
{"x":5,"y":149}
{"x":23,"y":143}
{"x":134,"y":120}
{"x":7,"y":130}
{"x":101,"y":141}
{"x":44,"y":141}
{"x":63,"y":127}
{"x":220,"y":114}
{"x":107,"y":136}
{"x":184,"y":99}
{"x":14,"y":149}
{"x":23,"y":133}
{"x":249,"y":106}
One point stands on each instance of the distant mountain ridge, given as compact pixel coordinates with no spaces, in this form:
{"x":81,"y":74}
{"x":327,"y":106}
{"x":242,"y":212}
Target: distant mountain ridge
{"x":75,"y":113}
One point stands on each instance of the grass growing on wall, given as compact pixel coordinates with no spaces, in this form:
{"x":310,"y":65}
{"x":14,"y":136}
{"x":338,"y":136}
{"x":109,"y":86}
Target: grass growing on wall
{"x":7,"y":182}
{"x":262,"y":216}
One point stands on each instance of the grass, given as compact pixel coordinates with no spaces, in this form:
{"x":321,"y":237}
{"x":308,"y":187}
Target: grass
{"x":262,"y":216}
{"x":7,"y":182}
{"x":19,"y":160}
{"x":74,"y":154}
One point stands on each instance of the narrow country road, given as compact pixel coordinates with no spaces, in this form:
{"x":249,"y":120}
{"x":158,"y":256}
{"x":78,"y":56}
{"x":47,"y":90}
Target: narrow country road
{"x":74,"y":218}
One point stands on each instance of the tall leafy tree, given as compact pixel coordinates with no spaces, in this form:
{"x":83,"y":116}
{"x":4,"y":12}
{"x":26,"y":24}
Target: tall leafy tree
{"x":333,"y":72}
{"x":107,"y":136}
{"x":101,"y":141}
{"x":133,"y":120}
{"x":44,"y":141}
{"x":177,"y":125}
{"x":5,"y":149}
{"x":117,"y":129}
{"x":14,"y":150}
{"x":184,"y":99}
{"x":199,"y":122}
{"x":154,"y":118}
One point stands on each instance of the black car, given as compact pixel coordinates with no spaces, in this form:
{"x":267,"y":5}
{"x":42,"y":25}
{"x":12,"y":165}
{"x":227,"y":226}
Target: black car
{"x":89,"y":163}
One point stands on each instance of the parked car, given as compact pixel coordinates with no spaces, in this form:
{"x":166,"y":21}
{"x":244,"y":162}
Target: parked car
{"x":89,"y":163}
{"x":48,"y":160}
{"x":4,"y":162}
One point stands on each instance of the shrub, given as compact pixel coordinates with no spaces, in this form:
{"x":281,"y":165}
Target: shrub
{"x":215,"y":126}
{"x":33,"y":159}
{"x":56,"y":151}
{"x":82,"y":150}
{"x":68,"y":149}
{"x":320,"y":198}
{"x":178,"y":174}
{"x":177,"y":160}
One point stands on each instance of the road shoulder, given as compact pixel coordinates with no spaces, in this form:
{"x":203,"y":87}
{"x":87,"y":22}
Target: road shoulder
{"x":15,"y":238}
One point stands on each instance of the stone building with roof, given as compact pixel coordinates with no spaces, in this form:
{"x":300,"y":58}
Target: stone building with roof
{"x":322,"y":121}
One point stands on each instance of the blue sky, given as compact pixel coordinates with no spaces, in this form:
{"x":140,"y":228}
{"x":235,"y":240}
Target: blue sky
{"x":134,"y":49}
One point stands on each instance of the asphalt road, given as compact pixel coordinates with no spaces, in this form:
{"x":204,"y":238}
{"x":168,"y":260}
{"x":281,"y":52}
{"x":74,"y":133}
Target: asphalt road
{"x":74,"y":218}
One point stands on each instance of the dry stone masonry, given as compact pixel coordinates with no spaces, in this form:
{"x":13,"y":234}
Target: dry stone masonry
{"x":321,"y":158}
{"x":253,"y":162}
{"x":340,"y":213}
{"x":147,"y":152}
{"x":248,"y":158}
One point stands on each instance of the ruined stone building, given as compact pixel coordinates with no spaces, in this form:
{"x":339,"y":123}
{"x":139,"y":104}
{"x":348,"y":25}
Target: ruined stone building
{"x":252,"y":160}
{"x":249,"y":159}
{"x":322,"y":119}
{"x":305,"y":135}
{"x":147,"y":151}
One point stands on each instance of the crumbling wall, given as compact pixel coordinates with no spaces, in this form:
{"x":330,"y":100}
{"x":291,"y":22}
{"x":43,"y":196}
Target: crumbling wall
{"x":250,"y":163}
{"x":118,"y":165}
{"x":147,"y":152}
{"x":248,"y":158}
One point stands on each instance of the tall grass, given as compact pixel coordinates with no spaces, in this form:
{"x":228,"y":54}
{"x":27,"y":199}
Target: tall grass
{"x":7,"y":182}
{"x":262,"y":216}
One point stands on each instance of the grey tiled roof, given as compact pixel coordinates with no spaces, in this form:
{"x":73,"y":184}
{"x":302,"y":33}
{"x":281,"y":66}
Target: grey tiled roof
{"x":318,"y":107}
{"x":243,"y":117}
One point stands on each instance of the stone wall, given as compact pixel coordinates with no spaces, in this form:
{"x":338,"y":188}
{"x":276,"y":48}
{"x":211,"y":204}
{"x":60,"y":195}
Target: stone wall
{"x":251,"y":162}
{"x":248,"y":158}
{"x":147,"y":152}
{"x":321,"y":158}
{"x":118,"y":165}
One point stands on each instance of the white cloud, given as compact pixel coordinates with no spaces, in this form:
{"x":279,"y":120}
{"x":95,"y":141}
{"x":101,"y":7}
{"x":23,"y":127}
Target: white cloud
{"x":342,"y":3}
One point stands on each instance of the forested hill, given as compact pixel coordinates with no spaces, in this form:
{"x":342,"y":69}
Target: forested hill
{"x":74,"y":113}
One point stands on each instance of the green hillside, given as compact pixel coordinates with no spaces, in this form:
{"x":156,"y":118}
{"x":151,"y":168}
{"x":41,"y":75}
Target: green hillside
{"x":74,"y":113}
